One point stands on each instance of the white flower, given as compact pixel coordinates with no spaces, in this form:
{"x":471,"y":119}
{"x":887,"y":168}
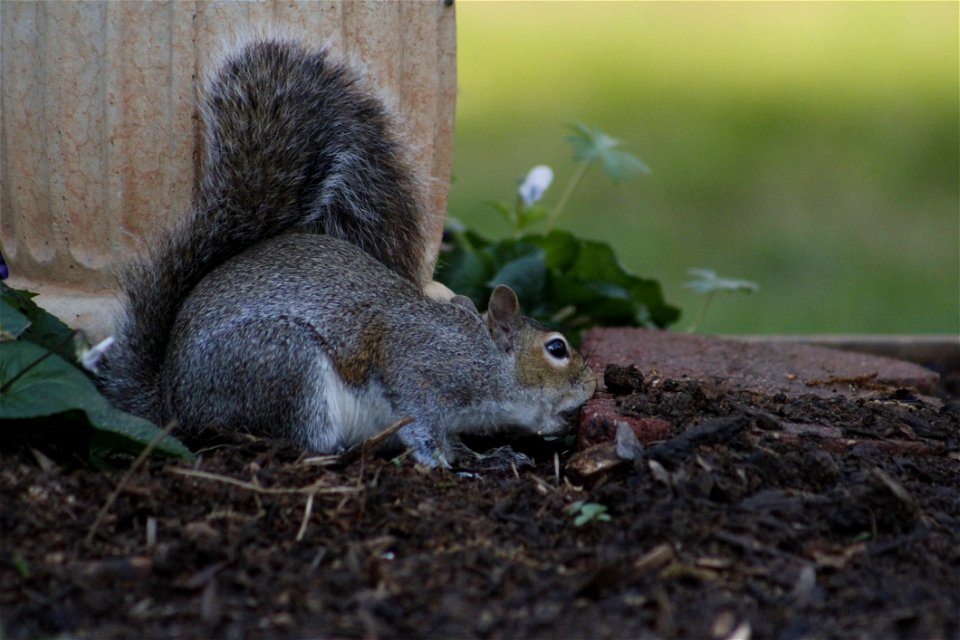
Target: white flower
{"x":535,"y":184}
{"x":90,"y":356}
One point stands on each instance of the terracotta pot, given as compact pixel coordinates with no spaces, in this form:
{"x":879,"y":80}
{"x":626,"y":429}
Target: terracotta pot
{"x":101,"y":133}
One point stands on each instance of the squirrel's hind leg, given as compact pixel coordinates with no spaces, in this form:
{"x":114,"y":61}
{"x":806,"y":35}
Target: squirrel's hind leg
{"x":267,"y":376}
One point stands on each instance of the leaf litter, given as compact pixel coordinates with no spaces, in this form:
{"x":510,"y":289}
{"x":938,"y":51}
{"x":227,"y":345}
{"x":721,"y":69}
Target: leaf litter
{"x":733,"y":527}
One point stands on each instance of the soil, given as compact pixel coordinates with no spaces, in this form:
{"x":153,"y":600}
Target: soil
{"x":755,"y":513}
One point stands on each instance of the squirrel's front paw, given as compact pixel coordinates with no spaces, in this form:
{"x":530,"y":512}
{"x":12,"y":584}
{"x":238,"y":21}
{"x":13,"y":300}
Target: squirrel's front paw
{"x":494,"y":459}
{"x":431,"y":457}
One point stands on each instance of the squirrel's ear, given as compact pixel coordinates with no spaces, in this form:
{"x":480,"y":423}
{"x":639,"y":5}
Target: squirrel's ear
{"x":503,"y":316}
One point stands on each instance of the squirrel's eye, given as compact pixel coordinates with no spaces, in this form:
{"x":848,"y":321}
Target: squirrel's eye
{"x":557,"y":348}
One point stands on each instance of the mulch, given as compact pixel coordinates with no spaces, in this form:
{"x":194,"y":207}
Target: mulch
{"x":820,"y":505}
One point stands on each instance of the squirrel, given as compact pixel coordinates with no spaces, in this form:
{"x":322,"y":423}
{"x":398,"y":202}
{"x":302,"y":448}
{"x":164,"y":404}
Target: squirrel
{"x":292,"y":299}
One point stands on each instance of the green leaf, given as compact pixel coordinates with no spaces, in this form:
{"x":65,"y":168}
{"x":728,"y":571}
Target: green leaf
{"x":12,"y":322}
{"x":562,"y":281}
{"x":588,"y":512}
{"x":706,"y":281}
{"x":521,"y":266}
{"x":591,"y":144}
{"x":45,"y":329}
{"x":527,"y":276}
{"x":462,"y":237}
{"x":529,"y":216}
{"x":466,"y":272}
{"x":505,"y":212}
{"x":511,"y":249}
{"x":43,"y":396}
{"x":597,"y":261}
{"x":21,"y":564}
{"x":574,"y":507}
{"x":619,"y":296}
{"x":561,"y":248}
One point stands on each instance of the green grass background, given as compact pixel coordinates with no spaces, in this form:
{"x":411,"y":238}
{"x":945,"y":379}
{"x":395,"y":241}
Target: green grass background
{"x":810,"y":147}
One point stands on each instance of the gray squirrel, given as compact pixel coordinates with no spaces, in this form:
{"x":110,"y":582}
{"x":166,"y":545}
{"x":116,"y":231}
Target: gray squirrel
{"x":290,"y":300}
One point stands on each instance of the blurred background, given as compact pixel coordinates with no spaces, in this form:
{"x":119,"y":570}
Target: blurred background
{"x":809,"y":147}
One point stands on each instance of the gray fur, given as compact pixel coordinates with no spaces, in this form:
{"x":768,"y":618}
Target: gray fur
{"x":289,"y":301}
{"x":244,"y":348}
{"x":292,"y":142}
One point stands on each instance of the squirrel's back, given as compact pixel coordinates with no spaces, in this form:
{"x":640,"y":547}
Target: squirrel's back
{"x":304,"y":336}
{"x":292,"y":142}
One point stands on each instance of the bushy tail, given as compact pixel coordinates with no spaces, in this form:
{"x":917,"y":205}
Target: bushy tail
{"x":292,"y":142}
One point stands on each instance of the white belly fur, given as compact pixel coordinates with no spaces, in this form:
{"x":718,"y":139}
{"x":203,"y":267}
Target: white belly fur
{"x":345,"y":416}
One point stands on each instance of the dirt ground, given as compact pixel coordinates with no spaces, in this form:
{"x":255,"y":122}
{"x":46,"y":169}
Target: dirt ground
{"x":758,"y":515}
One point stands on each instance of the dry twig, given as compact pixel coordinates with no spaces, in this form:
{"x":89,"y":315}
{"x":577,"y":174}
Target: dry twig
{"x":312,"y":489}
{"x":371,"y":444}
{"x":307,"y":510}
{"x":126,"y":478}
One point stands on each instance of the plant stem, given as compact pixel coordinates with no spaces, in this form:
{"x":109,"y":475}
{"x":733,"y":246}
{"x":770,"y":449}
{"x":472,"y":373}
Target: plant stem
{"x":575,"y":180}
{"x":515,"y":218}
{"x":703,"y":314}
